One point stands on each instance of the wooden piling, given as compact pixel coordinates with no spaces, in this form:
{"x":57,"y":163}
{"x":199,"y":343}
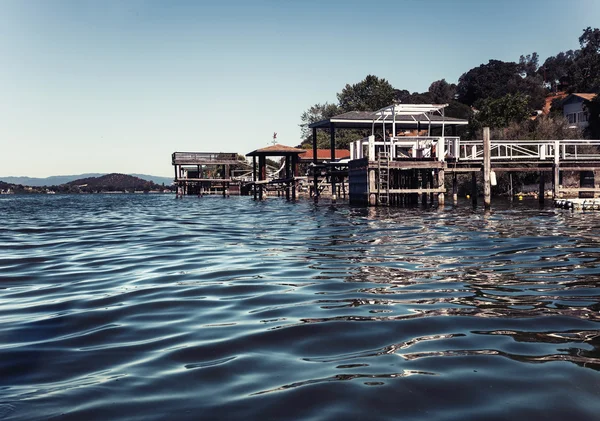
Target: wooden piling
{"x":454,"y":188}
{"x":487,"y":168}
{"x":542,"y":190}
{"x":441,"y":196}
{"x":474,"y":188}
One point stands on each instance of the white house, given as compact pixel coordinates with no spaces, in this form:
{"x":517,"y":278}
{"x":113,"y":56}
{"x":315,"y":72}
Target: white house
{"x":575,"y":110}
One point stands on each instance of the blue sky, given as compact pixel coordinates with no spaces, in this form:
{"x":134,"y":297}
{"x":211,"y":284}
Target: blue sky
{"x":117,"y":86}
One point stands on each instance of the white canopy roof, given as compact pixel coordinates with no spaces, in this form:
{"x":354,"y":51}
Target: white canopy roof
{"x":413,"y":110}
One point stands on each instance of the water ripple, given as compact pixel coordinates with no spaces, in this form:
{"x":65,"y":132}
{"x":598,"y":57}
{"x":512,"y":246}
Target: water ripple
{"x":143,"y":307}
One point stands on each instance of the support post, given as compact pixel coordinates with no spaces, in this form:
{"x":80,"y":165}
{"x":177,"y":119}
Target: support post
{"x":424,"y":178}
{"x":262,"y":175}
{"x":254,"y":178}
{"x":474,"y":188}
{"x":556,"y":171}
{"x":542,"y":192}
{"x":287,"y":177}
{"x":315,"y":175}
{"x":294,"y":175}
{"x":332,"y":148}
{"x":454,"y":188}
{"x":372,"y":189}
{"x":441,"y":196}
{"x":487,"y":168}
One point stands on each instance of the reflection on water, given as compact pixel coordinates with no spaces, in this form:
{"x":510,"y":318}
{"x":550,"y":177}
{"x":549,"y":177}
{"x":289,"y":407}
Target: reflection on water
{"x":146,"y":307}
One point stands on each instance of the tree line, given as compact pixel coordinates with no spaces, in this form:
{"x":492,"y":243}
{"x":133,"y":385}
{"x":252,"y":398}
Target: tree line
{"x":501,"y":95}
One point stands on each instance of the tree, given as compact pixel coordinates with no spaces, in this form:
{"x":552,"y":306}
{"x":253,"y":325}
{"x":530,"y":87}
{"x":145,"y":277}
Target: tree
{"x":584,"y":73}
{"x":370,"y":94}
{"x":499,"y":113}
{"x":498,"y":78}
{"x":485,"y":81}
{"x":593,"y":107}
{"x":317,"y":113}
{"x":555,"y":70}
{"x":442,"y":92}
{"x":528,"y":65}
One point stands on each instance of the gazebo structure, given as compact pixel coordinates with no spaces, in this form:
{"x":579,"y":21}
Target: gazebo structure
{"x":390,"y":160}
{"x":289,"y":170}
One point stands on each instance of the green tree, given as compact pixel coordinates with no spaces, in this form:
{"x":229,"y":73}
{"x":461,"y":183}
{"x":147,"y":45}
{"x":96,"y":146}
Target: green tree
{"x":498,"y":78}
{"x":499,"y":113}
{"x":370,"y":94}
{"x":584,"y":73}
{"x":593,"y":107}
{"x":555,"y":70}
{"x":317,"y":112}
{"x":442,"y":92}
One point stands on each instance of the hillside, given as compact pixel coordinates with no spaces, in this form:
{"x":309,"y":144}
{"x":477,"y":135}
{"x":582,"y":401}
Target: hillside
{"x":111,"y":182}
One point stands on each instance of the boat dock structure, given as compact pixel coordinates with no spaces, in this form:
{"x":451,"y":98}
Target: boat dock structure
{"x":389,"y":167}
{"x":408,"y":154}
{"x":200,"y":173}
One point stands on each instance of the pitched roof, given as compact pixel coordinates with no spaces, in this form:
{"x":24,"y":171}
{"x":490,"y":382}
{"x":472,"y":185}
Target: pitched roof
{"x":277,"y":150}
{"x":323,"y":154}
{"x":587,"y":97}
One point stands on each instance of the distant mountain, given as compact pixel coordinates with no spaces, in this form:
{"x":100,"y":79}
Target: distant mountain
{"x":64,"y":179}
{"x":113,"y":182}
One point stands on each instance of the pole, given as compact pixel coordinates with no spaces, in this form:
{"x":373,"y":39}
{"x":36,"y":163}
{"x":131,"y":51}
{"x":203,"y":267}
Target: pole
{"x":315,"y":175}
{"x":487,"y":168}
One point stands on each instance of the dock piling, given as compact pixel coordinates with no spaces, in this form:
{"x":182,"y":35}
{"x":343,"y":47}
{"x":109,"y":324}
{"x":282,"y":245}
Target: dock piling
{"x":487,"y":168}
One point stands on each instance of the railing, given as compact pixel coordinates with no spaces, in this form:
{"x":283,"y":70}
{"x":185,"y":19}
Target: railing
{"x":406,"y":147}
{"x":202,"y":157}
{"x":535,"y":150}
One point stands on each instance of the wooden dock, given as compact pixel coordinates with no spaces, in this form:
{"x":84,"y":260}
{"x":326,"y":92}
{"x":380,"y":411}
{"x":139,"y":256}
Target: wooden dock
{"x":200,"y":173}
{"x":390,"y":168}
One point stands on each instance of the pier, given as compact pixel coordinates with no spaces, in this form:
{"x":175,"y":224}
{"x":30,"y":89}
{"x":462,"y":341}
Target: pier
{"x":410,"y":154}
{"x":391,"y":166}
{"x":199,"y":173}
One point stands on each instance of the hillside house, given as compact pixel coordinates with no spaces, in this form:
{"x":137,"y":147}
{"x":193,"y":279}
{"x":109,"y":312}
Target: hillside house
{"x":574,"y":109}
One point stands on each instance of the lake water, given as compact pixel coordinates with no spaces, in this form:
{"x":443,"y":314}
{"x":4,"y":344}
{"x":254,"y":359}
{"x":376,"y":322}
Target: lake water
{"x":143,"y":307}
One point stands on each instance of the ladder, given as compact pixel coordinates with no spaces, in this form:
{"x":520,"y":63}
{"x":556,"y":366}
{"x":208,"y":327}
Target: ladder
{"x":383,"y":185}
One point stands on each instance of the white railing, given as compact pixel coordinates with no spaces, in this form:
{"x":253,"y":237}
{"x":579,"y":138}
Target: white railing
{"x":406,"y":147}
{"x":535,"y":150}
{"x":472,"y":150}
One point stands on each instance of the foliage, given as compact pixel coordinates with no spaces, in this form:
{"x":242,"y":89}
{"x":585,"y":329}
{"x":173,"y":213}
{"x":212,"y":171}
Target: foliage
{"x":485,"y":81}
{"x":498,"y":78}
{"x":370,"y":94}
{"x":593,"y":129}
{"x":584,"y":73}
{"x":442,"y":92}
{"x":317,"y":113}
{"x":542,"y":128}
{"x":500,"y":112}
{"x":555,"y":70}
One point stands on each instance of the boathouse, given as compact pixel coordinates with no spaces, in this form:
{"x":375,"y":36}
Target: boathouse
{"x":283,"y":180}
{"x":388,"y":165}
{"x":198,"y":173}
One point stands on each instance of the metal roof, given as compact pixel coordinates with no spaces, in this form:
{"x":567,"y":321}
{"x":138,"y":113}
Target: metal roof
{"x":364,"y":119}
